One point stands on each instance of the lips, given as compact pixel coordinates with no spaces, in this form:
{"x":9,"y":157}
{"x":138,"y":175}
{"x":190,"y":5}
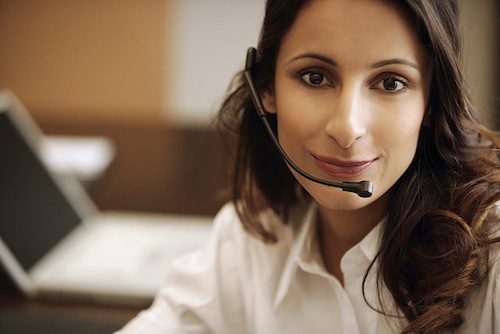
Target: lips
{"x":343,"y":169}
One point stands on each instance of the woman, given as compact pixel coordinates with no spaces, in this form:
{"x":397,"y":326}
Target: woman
{"x":355,"y":90}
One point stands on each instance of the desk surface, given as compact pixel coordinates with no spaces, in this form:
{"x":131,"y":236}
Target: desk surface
{"x":19,"y":315}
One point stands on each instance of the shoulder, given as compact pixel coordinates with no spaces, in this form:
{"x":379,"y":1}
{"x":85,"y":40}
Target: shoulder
{"x":494,"y":249}
{"x":493,"y":280}
{"x":220,"y":287}
{"x":232,"y":254}
{"x":232,"y":244}
{"x":228,"y":225}
{"x":492,"y":286}
{"x":483,"y":311}
{"x":494,"y":263}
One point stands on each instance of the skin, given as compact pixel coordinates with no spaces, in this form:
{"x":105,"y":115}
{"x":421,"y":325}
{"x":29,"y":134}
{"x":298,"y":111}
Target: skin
{"x":350,"y":93}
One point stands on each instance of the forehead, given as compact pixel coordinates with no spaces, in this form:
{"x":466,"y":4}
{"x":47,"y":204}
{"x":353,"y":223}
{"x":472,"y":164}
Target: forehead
{"x":368,"y":29}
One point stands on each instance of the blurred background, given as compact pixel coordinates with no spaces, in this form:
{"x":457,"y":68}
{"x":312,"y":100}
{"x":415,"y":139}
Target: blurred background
{"x":149,"y":76}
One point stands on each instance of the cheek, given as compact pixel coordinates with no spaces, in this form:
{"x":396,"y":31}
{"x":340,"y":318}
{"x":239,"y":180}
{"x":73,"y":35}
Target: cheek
{"x":399,"y":124}
{"x":399,"y":139}
{"x":297,"y":117}
{"x":400,"y":131}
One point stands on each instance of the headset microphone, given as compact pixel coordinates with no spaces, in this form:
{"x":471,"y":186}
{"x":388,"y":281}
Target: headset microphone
{"x":362,"y":188}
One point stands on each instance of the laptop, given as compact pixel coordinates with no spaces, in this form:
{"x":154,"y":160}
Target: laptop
{"x":55,"y":243}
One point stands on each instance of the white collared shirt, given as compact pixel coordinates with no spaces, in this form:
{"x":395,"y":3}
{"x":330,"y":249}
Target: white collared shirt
{"x":238,"y":284}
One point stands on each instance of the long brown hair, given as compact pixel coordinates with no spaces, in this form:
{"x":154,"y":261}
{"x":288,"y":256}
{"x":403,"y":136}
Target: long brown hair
{"x":441,"y":222}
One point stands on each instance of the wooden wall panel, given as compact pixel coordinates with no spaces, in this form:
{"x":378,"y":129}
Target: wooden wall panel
{"x":85,"y":60}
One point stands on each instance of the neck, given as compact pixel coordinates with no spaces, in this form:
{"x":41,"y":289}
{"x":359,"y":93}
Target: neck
{"x":348,"y":227}
{"x":339,"y":231}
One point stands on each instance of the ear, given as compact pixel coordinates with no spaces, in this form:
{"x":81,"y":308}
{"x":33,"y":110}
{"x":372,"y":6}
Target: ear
{"x":268,"y":100}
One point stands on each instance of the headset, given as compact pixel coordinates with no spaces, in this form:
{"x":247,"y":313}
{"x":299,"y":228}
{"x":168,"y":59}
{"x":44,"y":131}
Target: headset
{"x":362,"y":188}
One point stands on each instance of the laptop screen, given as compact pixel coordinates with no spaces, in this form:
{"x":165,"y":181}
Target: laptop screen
{"x":34,"y":213}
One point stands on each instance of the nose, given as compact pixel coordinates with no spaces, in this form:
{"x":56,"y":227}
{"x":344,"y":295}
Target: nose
{"x":347,"y":118}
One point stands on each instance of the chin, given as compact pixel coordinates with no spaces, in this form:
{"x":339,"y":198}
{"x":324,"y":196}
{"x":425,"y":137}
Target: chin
{"x":345,"y":202}
{"x":335,"y":198}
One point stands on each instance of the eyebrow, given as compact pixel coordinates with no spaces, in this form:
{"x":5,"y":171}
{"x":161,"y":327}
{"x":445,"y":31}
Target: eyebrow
{"x":397,"y":61}
{"x":382,"y":63}
{"x":322,"y":58}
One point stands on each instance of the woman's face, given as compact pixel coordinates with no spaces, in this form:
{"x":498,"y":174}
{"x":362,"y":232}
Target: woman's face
{"x":350,"y":94}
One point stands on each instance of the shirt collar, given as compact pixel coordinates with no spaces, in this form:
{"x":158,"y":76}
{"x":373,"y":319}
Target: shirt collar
{"x":300,"y":242}
{"x":371,"y":242}
{"x":304,"y":251}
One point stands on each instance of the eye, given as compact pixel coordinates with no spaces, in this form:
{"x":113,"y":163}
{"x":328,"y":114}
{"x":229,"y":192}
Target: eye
{"x":391,"y":84}
{"x":314,"y":78}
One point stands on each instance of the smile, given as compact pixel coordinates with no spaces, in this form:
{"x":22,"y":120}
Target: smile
{"x":343,"y":169}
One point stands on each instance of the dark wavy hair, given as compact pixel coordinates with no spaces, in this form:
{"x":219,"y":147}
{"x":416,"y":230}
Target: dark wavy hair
{"x":443,"y":217}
